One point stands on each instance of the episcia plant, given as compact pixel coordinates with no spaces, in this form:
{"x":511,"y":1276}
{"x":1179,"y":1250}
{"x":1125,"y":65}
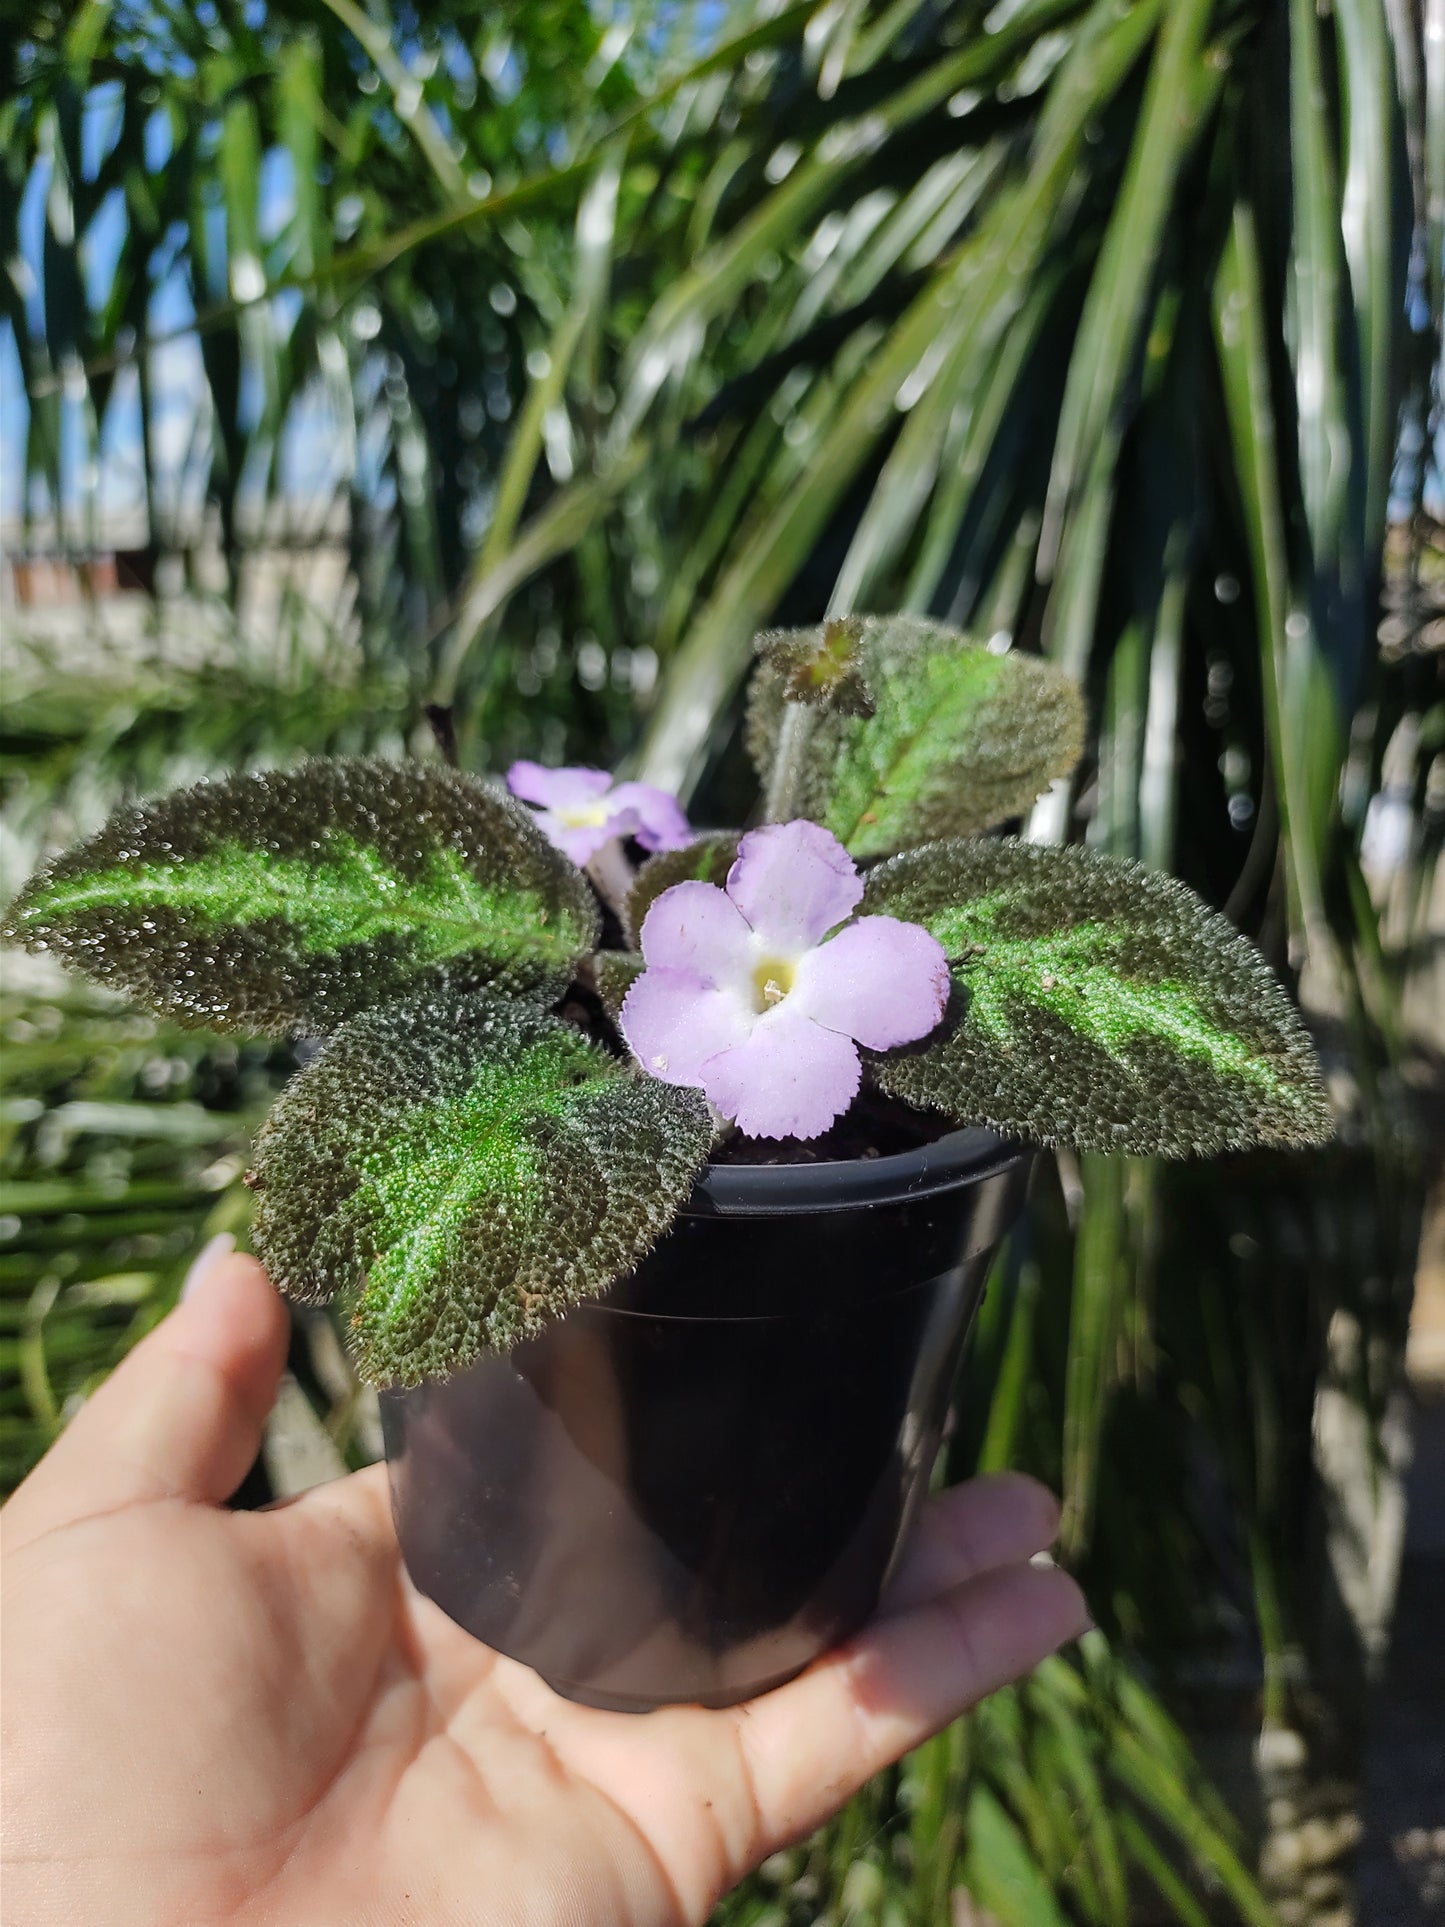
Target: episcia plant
{"x":544,"y":1006}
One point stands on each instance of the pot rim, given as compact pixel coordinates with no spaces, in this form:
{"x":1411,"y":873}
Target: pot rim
{"x":846,"y":1184}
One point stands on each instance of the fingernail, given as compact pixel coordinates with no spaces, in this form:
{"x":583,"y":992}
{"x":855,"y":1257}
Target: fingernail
{"x":206,"y":1259}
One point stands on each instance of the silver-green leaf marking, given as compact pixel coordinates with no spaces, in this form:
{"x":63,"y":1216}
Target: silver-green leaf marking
{"x":288,"y":901}
{"x":1098,"y":1004}
{"x":955,"y":738}
{"x":463,"y":1170}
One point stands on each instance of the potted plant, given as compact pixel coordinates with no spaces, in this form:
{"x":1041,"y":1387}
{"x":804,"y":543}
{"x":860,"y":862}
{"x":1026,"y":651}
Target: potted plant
{"x":659,"y":1174}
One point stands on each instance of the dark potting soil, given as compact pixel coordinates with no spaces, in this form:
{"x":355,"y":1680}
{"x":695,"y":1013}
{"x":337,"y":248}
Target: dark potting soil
{"x":875,"y":1126}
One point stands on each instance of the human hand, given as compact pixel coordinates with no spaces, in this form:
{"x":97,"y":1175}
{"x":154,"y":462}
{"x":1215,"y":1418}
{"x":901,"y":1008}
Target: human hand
{"x":215,"y":1716}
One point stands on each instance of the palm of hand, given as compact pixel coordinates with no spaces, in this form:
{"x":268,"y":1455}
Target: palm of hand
{"x":217,"y":1716}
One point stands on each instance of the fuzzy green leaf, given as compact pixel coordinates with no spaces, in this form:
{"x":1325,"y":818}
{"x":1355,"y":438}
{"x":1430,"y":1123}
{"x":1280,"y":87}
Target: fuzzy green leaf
{"x":288,"y":901}
{"x":616,"y":971}
{"x":961,"y":738}
{"x":706,"y":861}
{"x":1100,"y":1005}
{"x":465,"y":1169}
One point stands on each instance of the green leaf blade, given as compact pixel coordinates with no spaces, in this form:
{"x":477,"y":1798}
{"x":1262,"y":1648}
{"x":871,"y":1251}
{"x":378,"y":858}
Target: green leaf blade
{"x":960,"y":739}
{"x":616,"y":971}
{"x":465,"y":1170}
{"x":1001,"y":1871}
{"x":288,"y":901}
{"x":1103,"y":1006}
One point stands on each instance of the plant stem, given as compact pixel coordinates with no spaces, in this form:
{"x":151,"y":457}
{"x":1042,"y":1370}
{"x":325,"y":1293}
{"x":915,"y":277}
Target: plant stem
{"x":443,"y":727}
{"x":611,"y":876}
{"x":790,"y":763}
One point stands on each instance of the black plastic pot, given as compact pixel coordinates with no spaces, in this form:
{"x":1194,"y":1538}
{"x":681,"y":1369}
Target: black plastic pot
{"x":692,"y":1487}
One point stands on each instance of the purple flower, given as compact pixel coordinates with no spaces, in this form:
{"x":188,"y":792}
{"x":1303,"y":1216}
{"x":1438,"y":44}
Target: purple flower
{"x":746,"y":996}
{"x":581,"y":809}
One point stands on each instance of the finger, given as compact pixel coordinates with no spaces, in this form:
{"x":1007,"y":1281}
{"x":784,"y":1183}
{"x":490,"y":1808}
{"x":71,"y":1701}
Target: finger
{"x":362,"y":1501}
{"x":998,"y":1520}
{"x":181,"y":1417}
{"x":808,"y":1746}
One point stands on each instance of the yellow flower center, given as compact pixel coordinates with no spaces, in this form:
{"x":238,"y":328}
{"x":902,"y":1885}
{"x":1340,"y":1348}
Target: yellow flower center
{"x":584,"y":816}
{"x":772,"y":980}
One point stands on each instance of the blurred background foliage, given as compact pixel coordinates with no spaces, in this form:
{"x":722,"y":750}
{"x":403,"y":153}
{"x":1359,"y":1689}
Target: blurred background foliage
{"x":358,"y":357}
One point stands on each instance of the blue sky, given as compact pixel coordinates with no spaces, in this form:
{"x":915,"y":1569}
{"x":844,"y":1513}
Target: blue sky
{"x":176,"y":368}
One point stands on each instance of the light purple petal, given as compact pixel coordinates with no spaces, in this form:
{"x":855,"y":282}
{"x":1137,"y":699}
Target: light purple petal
{"x":697,"y":927}
{"x":674,"y":1023}
{"x":661,"y":823}
{"x":790,"y":1078}
{"x":579,"y":844}
{"x":618,"y":821}
{"x":793,"y":882}
{"x":880,"y":980}
{"x":557,"y":789}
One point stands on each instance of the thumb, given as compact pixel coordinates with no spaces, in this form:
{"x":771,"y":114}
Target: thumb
{"x":181,"y":1417}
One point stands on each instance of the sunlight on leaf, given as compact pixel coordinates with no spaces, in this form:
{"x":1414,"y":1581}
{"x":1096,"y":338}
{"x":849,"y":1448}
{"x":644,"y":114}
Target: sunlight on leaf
{"x":960,"y":739}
